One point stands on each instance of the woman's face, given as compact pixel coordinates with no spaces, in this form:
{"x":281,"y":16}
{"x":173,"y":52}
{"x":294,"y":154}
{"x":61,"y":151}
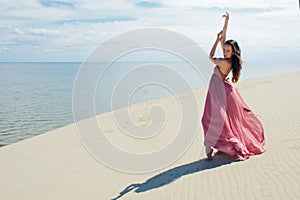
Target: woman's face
{"x":227,"y":51}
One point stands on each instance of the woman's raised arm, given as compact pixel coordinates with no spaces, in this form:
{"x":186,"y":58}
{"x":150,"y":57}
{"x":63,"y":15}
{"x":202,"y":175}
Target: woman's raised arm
{"x":223,"y":38}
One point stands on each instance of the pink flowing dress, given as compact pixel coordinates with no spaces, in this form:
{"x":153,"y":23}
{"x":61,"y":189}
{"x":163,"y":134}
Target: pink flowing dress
{"x":228,"y":123}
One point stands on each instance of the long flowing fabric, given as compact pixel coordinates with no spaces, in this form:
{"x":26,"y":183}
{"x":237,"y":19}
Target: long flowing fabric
{"x":228,"y":123}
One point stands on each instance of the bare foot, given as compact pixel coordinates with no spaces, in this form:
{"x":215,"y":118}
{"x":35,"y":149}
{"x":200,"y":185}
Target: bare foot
{"x":209,"y":155}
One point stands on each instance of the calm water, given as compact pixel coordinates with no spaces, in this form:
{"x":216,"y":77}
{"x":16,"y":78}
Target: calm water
{"x":37,"y":97}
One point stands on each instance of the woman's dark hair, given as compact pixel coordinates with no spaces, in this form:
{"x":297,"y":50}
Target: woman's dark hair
{"x":236,"y":60}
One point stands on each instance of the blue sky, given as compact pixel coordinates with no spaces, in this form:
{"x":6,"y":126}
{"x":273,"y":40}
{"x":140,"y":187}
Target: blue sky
{"x":68,"y":30}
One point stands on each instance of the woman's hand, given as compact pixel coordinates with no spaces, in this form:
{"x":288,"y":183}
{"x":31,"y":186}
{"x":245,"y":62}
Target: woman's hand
{"x":220,"y":36}
{"x":226,"y":16}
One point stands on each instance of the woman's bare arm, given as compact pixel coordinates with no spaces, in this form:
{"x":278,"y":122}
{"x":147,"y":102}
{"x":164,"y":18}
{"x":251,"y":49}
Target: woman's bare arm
{"x":226,"y":16}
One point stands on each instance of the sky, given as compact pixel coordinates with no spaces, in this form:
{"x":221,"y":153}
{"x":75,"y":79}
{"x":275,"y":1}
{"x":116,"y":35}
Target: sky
{"x":69,"y":30}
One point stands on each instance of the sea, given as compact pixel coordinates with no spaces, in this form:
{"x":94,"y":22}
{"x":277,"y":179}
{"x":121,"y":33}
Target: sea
{"x":37,"y":97}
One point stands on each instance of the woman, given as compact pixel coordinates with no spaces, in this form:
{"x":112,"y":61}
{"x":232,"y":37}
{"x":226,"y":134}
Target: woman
{"x":228,"y":123}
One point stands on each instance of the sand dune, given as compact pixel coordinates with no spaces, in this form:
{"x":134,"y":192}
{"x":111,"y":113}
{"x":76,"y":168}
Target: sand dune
{"x":56,"y":165}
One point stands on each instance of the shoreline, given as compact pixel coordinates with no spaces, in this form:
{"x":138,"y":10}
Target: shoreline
{"x":242,"y":82}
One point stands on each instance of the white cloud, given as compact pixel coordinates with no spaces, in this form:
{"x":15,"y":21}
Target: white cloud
{"x":4,"y":49}
{"x":18,"y":31}
{"x":42,"y":31}
{"x":106,"y":5}
{"x":52,"y":50}
{"x":35,"y":31}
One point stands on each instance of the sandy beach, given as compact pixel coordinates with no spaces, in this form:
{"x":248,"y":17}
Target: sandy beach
{"x":56,"y":165}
